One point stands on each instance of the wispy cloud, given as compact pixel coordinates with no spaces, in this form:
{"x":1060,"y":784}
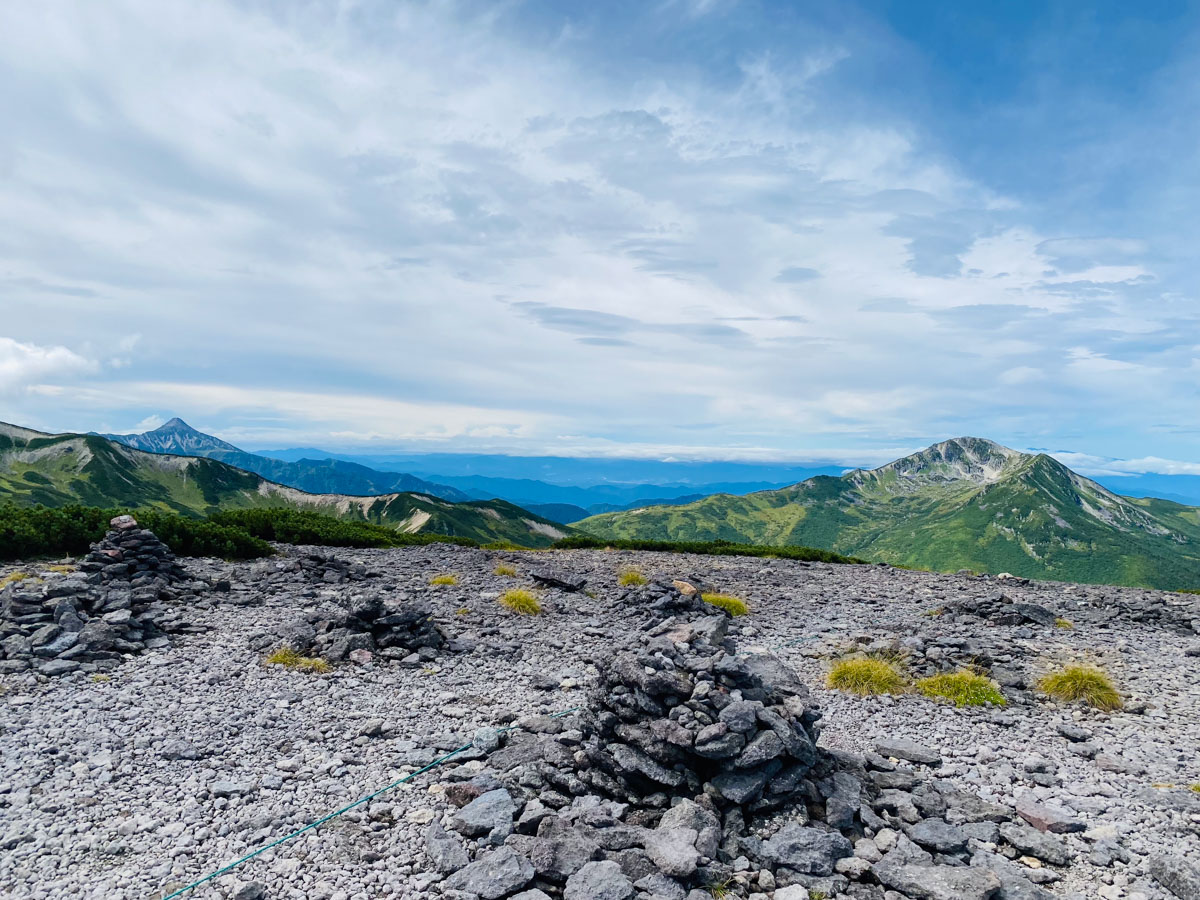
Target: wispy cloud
{"x":489,"y":224}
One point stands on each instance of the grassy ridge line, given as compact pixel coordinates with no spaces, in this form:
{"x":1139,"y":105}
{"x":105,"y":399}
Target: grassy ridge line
{"x":289,"y":526}
{"x":707,"y":548}
{"x":30,"y":532}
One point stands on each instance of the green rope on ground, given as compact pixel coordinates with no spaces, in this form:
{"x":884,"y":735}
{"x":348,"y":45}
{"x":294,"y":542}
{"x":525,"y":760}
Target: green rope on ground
{"x":337,"y":812}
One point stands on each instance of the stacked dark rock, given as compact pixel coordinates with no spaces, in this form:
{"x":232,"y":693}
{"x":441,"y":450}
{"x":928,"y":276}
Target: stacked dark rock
{"x":694,"y":765}
{"x":311,"y":567}
{"x":999,"y":609}
{"x":357,"y":626}
{"x":135,"y":555}
{"x":112,"y":605}
{"x":658,"y":600}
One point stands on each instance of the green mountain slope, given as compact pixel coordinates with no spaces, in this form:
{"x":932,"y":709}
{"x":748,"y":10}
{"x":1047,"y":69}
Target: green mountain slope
{"x":55,"y":470}
{"x":965,"y":503}
{"x":316,"y":476}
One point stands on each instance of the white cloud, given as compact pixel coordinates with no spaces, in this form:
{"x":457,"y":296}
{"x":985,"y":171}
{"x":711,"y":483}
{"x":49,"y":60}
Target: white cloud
{"x":25,"y":365}
{"x":1088,"y":464}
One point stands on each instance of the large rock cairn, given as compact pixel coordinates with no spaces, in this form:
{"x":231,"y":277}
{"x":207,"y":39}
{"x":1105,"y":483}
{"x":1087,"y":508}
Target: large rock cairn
{"x":360,"y":625}
{"x":112,"y":605}
{"x":693,"y":766}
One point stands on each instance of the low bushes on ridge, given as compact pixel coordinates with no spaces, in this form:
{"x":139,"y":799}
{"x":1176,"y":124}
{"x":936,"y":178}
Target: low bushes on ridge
{"x":28,"y":532}
{"x":704,"y":548}
{"x":293,"y":526}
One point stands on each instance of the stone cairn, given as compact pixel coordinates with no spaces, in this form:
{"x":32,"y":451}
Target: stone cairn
{"x":110,"y":606}
{"x":360,"y":626}
{"x":694,"y":772}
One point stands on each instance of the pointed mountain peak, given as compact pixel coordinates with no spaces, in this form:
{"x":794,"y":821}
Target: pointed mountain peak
{"x":174,"y":436}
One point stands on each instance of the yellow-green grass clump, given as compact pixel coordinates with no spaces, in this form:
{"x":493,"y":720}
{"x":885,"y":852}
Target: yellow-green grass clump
{"x":290,"y":658}
{"x":1080,"y":682}
{"x":1063,"y":623}
{"x":631,"y":578}
{"x":14,"y":577}
{"x":438,"y":580}
{"x":504,"y":570}
{"x":867,"y":677}
{"x":964,"y":688}
{"x":521,"y":602}
{"x":735,"y":606}
{"x":1194,"y":788}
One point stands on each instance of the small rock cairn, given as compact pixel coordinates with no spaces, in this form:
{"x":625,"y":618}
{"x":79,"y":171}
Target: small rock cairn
{"x":360,"y":626}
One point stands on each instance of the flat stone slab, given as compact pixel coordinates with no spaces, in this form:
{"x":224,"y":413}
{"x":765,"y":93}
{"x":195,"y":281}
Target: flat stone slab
{"x":909,"y":751}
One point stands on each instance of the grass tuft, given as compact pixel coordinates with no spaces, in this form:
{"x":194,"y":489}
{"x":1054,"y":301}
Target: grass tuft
{"x":1086,"y":683}
{"x":963,"y":688}
{"x":463,"y":611}
{"x":505,"y":570}
{"x":735,"y":606}
{"x":867,"y":677}
{"x":719,"y":890}
{"x":1063,"y":623}
{"x":291,"y":659}
{"x":61,"y":569}
{"x":521,"y":602}
{"x":1194,"y":788}
{"x":631,"y":578}
{"x":443,"y":579}
{"x":14,"y":577}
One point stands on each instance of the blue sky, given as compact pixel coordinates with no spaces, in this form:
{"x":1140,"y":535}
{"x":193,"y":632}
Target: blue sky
{"x":694,"y":230}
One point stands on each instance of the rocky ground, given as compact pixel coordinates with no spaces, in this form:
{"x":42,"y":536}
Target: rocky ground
{"x":131,"y":774}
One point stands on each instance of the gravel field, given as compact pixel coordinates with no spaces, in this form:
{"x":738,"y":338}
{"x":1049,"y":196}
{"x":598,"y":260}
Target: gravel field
{"x":131,"y":781}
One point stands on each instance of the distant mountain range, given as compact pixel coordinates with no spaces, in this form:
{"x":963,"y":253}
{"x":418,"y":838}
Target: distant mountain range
{"x":317,"y":476}
{"x":55,"y":470}
{"x":470,"y":476}
{"x":964,"y":503}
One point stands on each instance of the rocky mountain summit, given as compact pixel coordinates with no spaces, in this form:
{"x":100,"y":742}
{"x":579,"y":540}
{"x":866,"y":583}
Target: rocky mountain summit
{"x":629,"y":742}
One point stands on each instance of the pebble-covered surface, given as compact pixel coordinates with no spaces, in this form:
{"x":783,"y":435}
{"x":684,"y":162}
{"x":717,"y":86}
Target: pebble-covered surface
{"x":132,"y":782}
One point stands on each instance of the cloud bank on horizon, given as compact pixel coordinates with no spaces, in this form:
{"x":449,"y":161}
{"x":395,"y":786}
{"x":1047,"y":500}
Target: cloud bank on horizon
{"x":695,"y":229}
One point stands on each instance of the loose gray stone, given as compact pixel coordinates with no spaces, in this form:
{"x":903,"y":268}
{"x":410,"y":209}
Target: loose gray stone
{"x":673,"y":850}
{"x":444,"y":851}
{"x":910,"y":751}
{"x":809,"y":851}
{"x":599,"y":881}
{"x":1177,"y":875}
{"x":488,"y":814}
{"x":495,"y":874}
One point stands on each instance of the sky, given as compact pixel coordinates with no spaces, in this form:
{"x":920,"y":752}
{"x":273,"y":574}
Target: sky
{"x":687,"y":229}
